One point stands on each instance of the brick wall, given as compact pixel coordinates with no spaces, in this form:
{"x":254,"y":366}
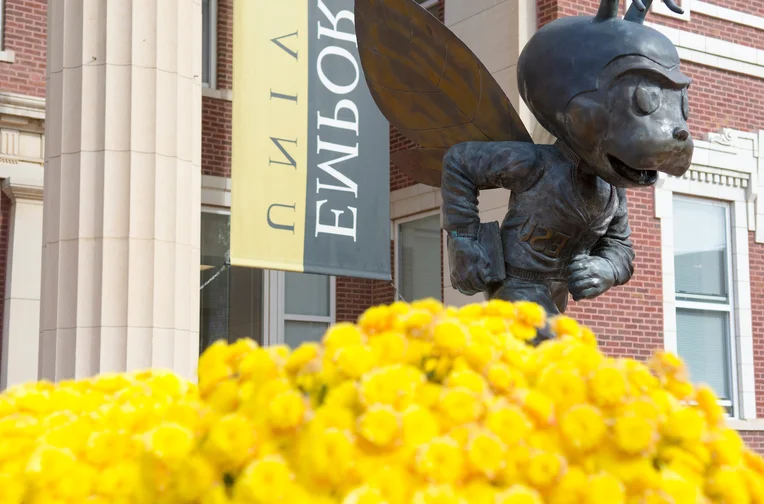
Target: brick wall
{"x":756,"y":254}
{"x":25,"y":34}
{"x":629,"y":319}
{"x":216,"y":137}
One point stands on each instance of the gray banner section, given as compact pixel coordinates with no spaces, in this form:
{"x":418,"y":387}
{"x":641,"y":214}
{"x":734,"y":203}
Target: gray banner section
{"x":347,"y":229}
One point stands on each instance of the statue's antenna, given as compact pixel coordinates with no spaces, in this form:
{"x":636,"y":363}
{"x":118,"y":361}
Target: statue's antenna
{"x":638,"y":10}
{"x":608,"y":10}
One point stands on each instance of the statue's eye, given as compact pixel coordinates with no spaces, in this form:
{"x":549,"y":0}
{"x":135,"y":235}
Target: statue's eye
{"x":685,"y":105}
{"x":648,"y":100}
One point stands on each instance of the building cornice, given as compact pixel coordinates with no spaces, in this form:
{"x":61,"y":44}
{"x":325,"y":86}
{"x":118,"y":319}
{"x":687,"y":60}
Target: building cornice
{"x":22,"y":105}
{"x":23,"y":189}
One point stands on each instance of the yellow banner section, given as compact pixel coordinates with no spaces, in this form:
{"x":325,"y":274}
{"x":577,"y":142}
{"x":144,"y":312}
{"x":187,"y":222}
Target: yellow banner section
{"x":269,"y":137}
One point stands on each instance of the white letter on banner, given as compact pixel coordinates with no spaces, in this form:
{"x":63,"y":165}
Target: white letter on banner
{"x":336,"y":229}
{"x":335,"y":88}
{"x":335,"y":33}
{"x":327,"y":166}
{"x":339,"y":123}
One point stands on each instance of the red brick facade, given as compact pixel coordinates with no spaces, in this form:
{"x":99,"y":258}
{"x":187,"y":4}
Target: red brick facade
{"x":25,"y":34}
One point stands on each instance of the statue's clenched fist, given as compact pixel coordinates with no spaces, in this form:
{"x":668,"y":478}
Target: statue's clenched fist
{"x":471,"y":271}
{"x":589,"y":276}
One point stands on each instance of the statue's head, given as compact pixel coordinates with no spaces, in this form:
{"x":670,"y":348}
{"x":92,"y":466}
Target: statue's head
{"x":611,"y":90}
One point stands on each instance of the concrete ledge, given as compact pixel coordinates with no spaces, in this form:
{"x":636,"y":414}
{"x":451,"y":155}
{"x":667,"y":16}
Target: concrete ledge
{"x":22,"y":105}
{"x":8,"y":56}
{"x":756,"y":424}
{"x":219,"y":94}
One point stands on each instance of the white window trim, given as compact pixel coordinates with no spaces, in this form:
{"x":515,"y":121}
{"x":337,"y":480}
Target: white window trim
{"x":725,"y":168}
{"x":429,"y":4}
{"x":396,"y":243}
{"x":213,"y":46}
{"x":728,"y":307}
{"x":6,"y":56}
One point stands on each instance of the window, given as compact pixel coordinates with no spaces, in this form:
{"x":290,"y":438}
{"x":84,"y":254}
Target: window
{"x":703,"y":289}
{"x":308,"y":307}
{"x":271,"y":307}
{"x":231,"y":302}
{"x":418,"y":260}
{"x":209,"y":42}
{"x":2,"y":24}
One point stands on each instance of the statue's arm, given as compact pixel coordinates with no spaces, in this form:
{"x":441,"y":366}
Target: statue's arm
{"x":470,"y":167}
{"x":615,"y":245}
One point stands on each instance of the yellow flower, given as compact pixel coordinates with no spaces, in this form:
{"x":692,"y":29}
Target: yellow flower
{"x":450,"y":336}
{"x":389,"y":347}
{"x":395,"y":385}
{"x":709,"y":405}
{"x":565,"y":326}
{"x":582,"y":427}
{"x":419,"y":426}
{"x":331,"y":455}
{"x":603,"y":488}
{"x":364,"y":495}
{"x":231,"y":442}
{"x":286,"y":410}
{"x":259,"y":366}
{"x":726,"y":447}
{"x":545,"y":468}
{"x":509,"y":422}
{"x":607,"y":386}
{"x":342,"y":335}
{"x":570,"y":489}
{"x":301,"y":356}
{"x":380,"y":425}
{"x":537,"y":405}
{"x":563,"y":384}
{"x":634,"y":435}
{"x":395,"y":482}
{"x":504,"y":378}
{"x":49,"y":464}
{"x":265,"y":481}
{"x":169,"y":442}
{"x":667,"y":364}
{"x":460,"y":406}
{"x":726,"y":484}
{"x":486,"y":453}
{"x":436,"y":494}
{"x":440,"y":460}
{"x":685,"y":424}
{"x":519,"y":494}
{"x":193,"y":478}
{"x":468,"y":379}
{"x":479,"y":492}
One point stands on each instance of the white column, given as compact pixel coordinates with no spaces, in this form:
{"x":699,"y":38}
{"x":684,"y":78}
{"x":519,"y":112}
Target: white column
{"x":21,"y":319}
{"x":120,"y":282}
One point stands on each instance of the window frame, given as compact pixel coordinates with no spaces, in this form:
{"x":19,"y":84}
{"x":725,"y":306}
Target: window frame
{"x":396,"y":247}
{"x":711,"y":303}
{"x":274,"y":298}
{"x":213,"y":20}
{"x":2,"y":25}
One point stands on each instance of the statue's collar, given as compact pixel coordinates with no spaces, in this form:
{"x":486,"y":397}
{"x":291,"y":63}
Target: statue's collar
{"x":568,"y":152}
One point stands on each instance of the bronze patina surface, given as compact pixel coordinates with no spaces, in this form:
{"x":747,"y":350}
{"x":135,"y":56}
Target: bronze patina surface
{"x":609,"y":89}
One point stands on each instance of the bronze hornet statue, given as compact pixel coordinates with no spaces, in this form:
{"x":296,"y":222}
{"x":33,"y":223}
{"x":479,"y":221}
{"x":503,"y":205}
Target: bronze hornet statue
{"x":608,"y":89}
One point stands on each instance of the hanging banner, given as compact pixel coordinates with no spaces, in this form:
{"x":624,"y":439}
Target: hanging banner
{"x":310,"y":150}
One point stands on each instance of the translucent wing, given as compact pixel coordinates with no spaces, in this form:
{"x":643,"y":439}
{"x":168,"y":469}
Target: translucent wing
{"x":429,"y":85}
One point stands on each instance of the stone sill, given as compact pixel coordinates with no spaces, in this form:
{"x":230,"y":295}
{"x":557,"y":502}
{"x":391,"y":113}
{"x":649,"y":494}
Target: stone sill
{"x":220,"y":94}
{"x":756,"y":424}
{"x":7,"y":56}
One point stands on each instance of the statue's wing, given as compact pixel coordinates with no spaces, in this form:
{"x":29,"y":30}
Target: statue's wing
{"x":429,"y":85}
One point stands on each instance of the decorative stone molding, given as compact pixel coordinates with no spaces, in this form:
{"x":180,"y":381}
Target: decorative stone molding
{"x":23,"y":189}
{"x":22,"y":105}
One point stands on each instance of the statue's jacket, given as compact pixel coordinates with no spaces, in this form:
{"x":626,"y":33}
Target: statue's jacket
{"x":557,"y":210}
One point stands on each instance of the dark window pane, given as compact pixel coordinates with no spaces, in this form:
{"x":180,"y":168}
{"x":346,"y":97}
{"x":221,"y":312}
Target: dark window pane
{"x":307,"y":294}
{"x":296,"y":332}
{"x":419,"y":259}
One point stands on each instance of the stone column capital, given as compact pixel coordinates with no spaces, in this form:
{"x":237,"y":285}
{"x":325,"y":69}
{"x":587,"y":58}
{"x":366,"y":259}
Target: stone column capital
{"x":24,"y":189}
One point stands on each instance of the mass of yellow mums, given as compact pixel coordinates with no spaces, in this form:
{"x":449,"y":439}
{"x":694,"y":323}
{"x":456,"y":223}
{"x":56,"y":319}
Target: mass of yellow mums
{"x":416,"y":403}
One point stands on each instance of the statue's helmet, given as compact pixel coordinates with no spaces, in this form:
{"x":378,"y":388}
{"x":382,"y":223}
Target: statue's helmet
{"x":573,"y":56}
